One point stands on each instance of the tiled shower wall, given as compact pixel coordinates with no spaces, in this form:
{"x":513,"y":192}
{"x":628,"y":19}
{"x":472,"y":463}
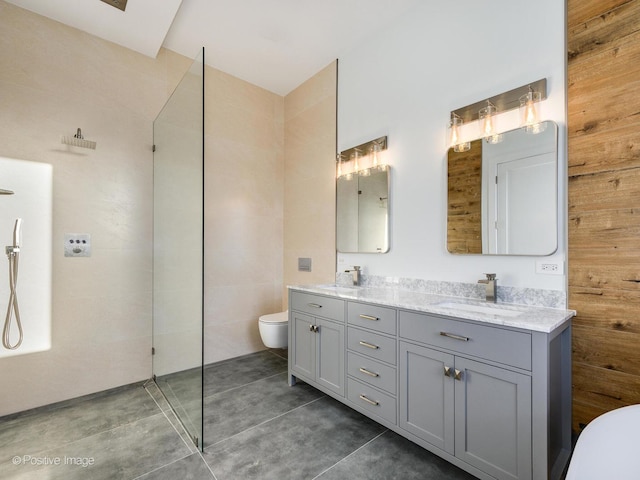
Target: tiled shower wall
{"x":54,"y":79}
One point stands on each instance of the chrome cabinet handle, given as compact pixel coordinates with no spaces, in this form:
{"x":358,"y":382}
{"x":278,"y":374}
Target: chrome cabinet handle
{"x":369,"y":345}
{"x":314,"y":328}
{"x":458,"y":375}
{"x":369,"y":401}
{"x":367,"y":372}
{"x":311,"y":328}
{"x":454,"y":336}
{"x":447,"y":371}
{"x":314,"y":305}
{"x":369,"y":317}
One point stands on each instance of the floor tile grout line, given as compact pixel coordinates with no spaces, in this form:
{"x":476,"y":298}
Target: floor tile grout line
{"x":73,"y":402}
{"x":266,"y":421}
{"x":234,"y":359}
{"x":101,"y":432}
{"x":279,"y":356}
{"x":351,"y":454}
{"x":184,"y":432}
{"x":168,"y":419}
{"x":207,"y":465}
{"x":162,"y":466}
{"x":244,"y":385}
{"x":171,"y":408}
{"x":182,"y":407}
{"x":114,"y":427}
{"x":154,"y":398}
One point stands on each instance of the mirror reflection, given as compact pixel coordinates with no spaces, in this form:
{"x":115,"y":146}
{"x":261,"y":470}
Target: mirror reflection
{"x":502,"y":198}
{"x":362,"y":212}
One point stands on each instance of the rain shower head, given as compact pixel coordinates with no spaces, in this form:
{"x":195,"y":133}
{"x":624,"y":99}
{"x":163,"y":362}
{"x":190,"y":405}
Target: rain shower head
{"x":78,"y":141}
{"x":5,"y":192}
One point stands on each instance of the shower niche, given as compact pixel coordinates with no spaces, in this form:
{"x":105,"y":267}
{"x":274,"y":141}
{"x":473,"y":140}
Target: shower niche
{"x":25,"y":263}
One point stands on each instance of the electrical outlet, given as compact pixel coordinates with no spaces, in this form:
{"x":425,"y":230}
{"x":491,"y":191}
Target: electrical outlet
{"x":550,"y":267}
{"x":77,"y":245}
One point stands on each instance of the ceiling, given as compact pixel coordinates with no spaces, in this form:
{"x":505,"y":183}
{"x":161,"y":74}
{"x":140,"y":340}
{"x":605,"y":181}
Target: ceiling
{"x":275,"y":44}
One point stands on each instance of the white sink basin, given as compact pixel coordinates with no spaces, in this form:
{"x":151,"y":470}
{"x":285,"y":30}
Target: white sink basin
{"x":340,"y":288}
{"x":486,"y":309}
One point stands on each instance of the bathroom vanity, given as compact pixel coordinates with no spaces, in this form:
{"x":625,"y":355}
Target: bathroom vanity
{"x":485,"y":386}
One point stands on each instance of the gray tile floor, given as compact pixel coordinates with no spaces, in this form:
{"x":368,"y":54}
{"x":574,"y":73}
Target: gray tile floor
{"x":256,"y":427}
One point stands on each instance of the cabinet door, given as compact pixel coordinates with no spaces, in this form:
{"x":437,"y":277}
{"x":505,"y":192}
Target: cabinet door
{"x":426,"y":395}
{"x":330,"y":355}
{"x":493,"y":420}
{"x":303,"y":348}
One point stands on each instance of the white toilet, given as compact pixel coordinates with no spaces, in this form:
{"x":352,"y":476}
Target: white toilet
{"x":274,"y":329}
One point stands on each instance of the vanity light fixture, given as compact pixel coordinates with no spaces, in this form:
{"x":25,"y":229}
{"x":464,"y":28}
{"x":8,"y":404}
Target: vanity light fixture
{"x":355,"y":158}
{"x":352,"y":160}
{"x":487,"y":117}
{"x":526,"y":97}
{"x":529,"y":114}
{"x":375,"y":154}
{"x":455,"y":139}
{"x":338,"y":166}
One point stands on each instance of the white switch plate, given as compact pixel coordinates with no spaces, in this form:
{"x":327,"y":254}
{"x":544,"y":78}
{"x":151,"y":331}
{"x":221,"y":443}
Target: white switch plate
{"x":550,"y":267}
{"x":77,"y":245}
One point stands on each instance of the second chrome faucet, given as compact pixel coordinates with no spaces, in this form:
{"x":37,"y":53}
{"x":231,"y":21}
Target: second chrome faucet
{"x":355,"y":273}
{"x":490,"y":284}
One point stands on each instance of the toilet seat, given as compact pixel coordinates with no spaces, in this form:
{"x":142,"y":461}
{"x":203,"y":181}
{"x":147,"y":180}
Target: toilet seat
{"x":275,"y":318}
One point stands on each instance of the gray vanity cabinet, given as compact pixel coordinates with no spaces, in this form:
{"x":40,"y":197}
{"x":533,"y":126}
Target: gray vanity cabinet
{"x":494,"y":400}
{"x":427,"y":395}
{"x":478,"y":412}
{"x":371,"y":360}
{"x":316,"y":343}
{"x":493,"y":419}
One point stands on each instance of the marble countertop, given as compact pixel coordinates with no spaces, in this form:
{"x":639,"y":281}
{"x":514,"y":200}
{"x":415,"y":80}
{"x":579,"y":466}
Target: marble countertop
{"x":539,"y":319}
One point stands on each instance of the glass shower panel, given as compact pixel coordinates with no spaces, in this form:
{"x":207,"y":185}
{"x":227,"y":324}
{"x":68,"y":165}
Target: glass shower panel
{"x":178,"y":172}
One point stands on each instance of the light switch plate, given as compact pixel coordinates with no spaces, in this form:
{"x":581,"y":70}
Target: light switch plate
{"x":77,"y":245}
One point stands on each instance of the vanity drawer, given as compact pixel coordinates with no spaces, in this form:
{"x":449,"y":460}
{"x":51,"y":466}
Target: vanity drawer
{"x":372,"y":372}
{"x":377,"y":318}
{"x":318,"y":305}
{"x":372,"y":344}
{"x":372,"y":400}
{"x":493,"y":343}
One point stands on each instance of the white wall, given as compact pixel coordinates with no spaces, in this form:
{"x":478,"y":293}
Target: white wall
{"x":404,"y":81}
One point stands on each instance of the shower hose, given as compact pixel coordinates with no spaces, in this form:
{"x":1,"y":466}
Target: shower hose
{"x":13,"y":254}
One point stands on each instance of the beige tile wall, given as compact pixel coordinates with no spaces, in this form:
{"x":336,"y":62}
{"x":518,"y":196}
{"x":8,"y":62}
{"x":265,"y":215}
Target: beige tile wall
{"x":243,"y":230}
{"x":54,"y":79}
{"x":309,"y":198}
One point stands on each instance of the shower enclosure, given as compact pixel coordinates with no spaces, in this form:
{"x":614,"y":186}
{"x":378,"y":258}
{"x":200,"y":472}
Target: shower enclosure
{"x":178,"y":172}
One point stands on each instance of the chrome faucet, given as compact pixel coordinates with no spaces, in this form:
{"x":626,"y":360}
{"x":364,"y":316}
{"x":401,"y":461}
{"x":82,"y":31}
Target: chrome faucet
{"x":490,"y":283}
{"x":355,"y":273}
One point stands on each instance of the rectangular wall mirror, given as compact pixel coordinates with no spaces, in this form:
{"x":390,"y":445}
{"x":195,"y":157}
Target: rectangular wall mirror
{"x":503,"y":197}
{"x":362,"y":211}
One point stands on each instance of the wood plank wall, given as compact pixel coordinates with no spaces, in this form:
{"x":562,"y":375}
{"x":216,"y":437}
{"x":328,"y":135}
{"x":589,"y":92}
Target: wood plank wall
{"x":604,"y":203}
{"x":464,"y":223}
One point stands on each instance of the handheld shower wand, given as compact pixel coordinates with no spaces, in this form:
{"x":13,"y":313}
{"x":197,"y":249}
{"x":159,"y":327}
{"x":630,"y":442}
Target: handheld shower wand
{"x":13,"y":254}
{"x":17,"y":231}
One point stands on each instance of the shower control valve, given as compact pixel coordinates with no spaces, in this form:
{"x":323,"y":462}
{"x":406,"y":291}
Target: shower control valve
{"x":77,"y":245}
